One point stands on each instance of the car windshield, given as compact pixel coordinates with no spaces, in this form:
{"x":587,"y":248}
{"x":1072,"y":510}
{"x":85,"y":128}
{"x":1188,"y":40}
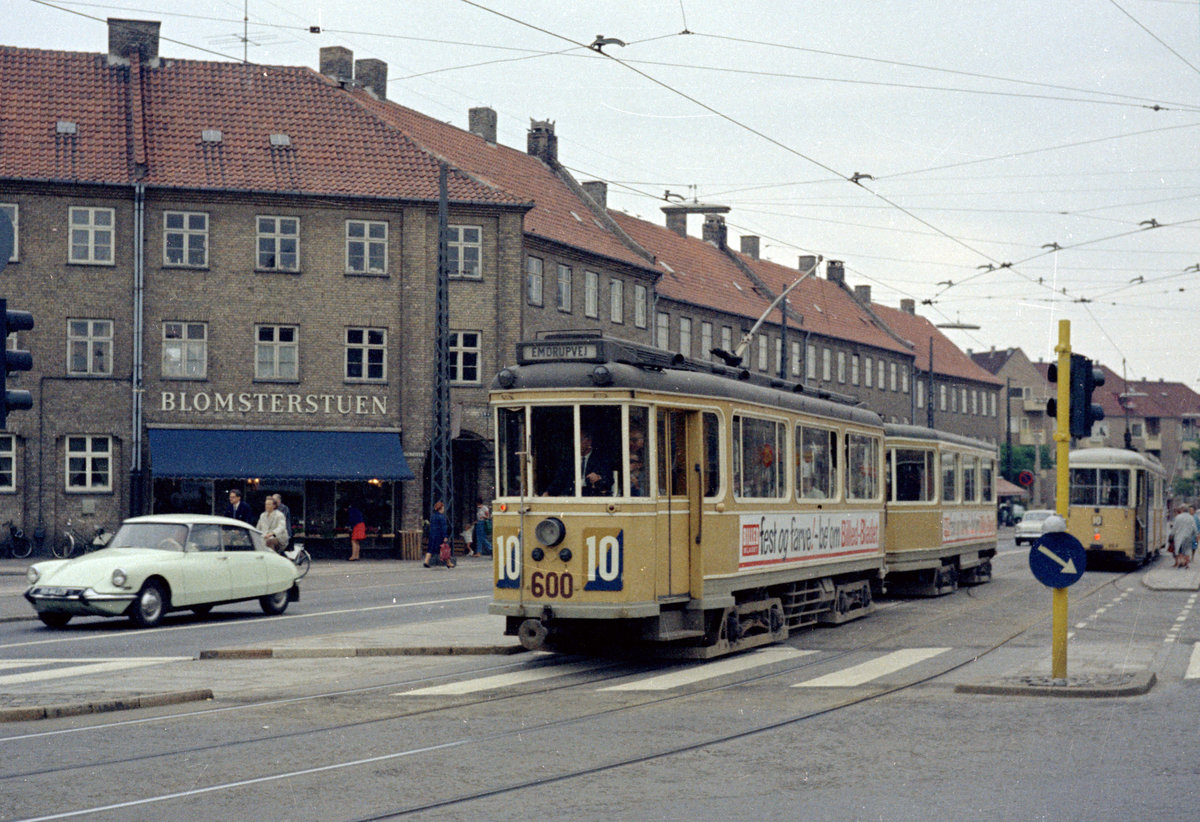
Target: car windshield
{"x":163,"y":536}
{"x":1036,"y":516}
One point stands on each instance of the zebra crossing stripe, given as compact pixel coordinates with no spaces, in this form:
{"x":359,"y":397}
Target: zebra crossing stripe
{"x":491,"y":683}
{"x":74,"y":667}
{"x":1193,"y":668}
{"x":709,"y":670}
{"x":873,"y":669}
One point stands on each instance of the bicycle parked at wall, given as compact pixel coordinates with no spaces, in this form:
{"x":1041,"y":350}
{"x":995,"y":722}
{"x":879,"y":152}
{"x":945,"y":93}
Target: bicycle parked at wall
{"x":72,"y":539}
{"x":16,"y":544}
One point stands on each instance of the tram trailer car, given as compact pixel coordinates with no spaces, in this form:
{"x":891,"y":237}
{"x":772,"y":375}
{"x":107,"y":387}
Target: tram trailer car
{"x":941,"y":511}
{"x":1116,"y":504}
{"x":716,"y":511}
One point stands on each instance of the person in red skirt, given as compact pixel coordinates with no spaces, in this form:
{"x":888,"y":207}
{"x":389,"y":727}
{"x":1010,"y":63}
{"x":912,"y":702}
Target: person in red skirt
{"x":358,"y":530}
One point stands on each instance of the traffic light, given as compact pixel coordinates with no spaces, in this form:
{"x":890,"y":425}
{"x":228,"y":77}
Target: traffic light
{"x":1085,"y":378}
{"x":14,"y":360}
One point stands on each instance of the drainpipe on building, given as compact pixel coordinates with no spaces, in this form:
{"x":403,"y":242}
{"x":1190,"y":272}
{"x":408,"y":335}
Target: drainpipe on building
{"x":136,"y":480}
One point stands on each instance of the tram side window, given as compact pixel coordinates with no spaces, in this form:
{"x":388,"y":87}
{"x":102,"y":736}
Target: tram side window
{"x":970,"y":479}
{"x":862,"y":467}
{"x":510,"y":448}
{"x":672,"y":453}
{"x":1100,"y":487}
{"x":987,"y":484}
{"x":816,"y":462}
{"x":757,"y":468}
{"x":1083,"y":486}
{"x":914,"y":475}
{"x":712,"y":455}
{"x":949,"y":477}
{"x":639,"y":469}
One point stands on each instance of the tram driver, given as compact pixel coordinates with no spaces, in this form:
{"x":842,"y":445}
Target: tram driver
{"x":594,"y":467}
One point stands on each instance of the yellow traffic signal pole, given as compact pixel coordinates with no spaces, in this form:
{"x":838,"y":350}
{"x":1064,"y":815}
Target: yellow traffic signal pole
{"x":1062,"y":438}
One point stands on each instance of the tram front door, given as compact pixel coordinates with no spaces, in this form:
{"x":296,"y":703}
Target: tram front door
{"x":678,"y":501}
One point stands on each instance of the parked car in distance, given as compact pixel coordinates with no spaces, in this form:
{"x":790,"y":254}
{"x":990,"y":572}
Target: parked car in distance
{"x":161,"y":563}
{"x":1031,"y":526}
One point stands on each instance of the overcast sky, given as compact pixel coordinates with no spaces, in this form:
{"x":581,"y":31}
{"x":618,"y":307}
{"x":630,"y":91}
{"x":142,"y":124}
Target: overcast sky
{"x":990,"y":131}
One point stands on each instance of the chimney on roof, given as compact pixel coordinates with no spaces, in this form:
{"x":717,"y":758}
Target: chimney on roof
{"x":337,"y":63}
{"x":677,"y":222}
{"x":835,"y":271}
{"x":750,"y":246}
{"x":807,"y":262}
{"x":598,"y":191}
{"x":371,"y":74}
{"x":541,"y":142}
{"x":909,"y":306}
{"x":125,"y":36}
{"x":481,"y":121}
{"x":862,"y":293}
{"x":714,"y":230}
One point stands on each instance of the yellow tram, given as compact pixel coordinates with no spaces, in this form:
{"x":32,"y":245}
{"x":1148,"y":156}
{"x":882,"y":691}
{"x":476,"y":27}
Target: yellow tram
{"x":1117,"y":504}
{"x":941,"y":510}
{"x":647,"y":499}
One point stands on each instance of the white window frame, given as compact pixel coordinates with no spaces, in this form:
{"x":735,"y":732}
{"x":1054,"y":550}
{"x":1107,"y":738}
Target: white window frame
{"x":942,"y":392}
{"x":371,"y":243}
{"x":826,"y":365}
{"x":464,"y":242}
{"x":465,"y":350}
{"x":370,"y":345}
{"x":192,"y":230}
{"x":855,"y":365}
{"x":591,"y":294}
{"x":563,"y":290}
{"x":662,"y":330}
{"x":810,"y":368}
{"x":535,"y":280}
{"x":778,"y":355}
{"x":706,"y":340}
{"x":188,"y":341}
{"x":904,"y":380}
{"x":841,"y":367}
{"x":13,"y":211}
{"x":94,"y":463}
{"x":879,"y":383}
{"x":727,"y":338}
{"x":276,"y":243}
{"x":95,"y":338}
{"x":8,"y":463}
{"x":762,"y":352}
{"x":868,"y":372}
{"x":277,"y":347}
{"x":920,"y":394}
{"x":640,"y":308}
{"x":616,"y":300}
{"x":795,"y":364}
{"x":95,"y":234}
{"x":893,"y":370}
{"x":685,"y":336}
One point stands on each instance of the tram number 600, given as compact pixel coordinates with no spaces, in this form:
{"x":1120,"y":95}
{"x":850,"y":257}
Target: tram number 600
{"x":551,"y":584}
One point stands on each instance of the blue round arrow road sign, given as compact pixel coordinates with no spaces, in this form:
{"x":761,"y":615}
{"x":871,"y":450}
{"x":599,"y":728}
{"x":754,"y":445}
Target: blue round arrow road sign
{"x":1057,"y":559}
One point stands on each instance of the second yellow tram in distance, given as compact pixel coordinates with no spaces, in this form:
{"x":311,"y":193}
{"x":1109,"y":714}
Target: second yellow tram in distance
{"x":643,"y":498}
{"x":1117,"y":504}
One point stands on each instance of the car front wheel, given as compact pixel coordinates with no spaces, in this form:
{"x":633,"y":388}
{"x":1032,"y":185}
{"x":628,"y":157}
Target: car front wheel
{"x":274,"y":604}
{"x":150,"y":605}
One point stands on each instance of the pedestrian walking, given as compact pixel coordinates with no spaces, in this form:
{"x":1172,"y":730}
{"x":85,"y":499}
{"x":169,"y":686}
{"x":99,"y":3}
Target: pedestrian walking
{"x":238,"y":508}
{"x":287,"y":512}
{"x":482,"y":544}
{"x":439,"y":532}
{"x":1183,"y":532}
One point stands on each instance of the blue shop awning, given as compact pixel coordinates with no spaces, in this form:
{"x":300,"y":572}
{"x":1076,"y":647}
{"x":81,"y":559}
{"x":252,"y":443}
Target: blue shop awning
{"x":194,"y":453}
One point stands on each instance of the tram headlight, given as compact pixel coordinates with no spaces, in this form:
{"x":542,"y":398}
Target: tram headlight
{"x":601,"y":375}
{"x":550,"y":531}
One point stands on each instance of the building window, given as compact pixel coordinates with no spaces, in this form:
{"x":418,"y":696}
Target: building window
{"x":726,"y":338}
{"x":278,"y":244}
{"x":616,"y":300}
{"x":706,"y":340}
{"x":464,"y":250}
{"x":810,"y":360}
{"x":854,"y":366}
{"x":564,"y":288}
{"x":8,"y":462}
{"x":662,"y":330}
{"x":534,"y":279}
{"x":639,"y":306}
{"x":942,"y":398}
{"x":276,"y":352}
{"x":904,"y":381}
{"x":762,"y":352}
{"x":366,"y":247}
{"x":89,"y":463}
{"x":963,"y":405}
{"x":892,"y":370}
{"x":879,"y":383}
{"x":779,"y":357}
{"x":685,"y":336}
{"x":366,"y":354}
{"x":826,"y":364}
{"x":591,"y":294}
{"x":185,"y":239}
{"x":795,"y":359}
{"x":13,"y":213}
{"x":841,"y":366}
{"x":993,"y":396}
{"x":920,"y":394}
{"x":464,"y":357}
{"x":91,"y":235}
{"x":89,"y":347}
{"x":868,"y":372}
{"x":974,"y":402}
{"x":185,"y":350}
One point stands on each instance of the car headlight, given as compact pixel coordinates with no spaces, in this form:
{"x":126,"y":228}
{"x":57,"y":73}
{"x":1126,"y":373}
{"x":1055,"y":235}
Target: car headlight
{"x":118,"y":578}
{"x":32,"y":575}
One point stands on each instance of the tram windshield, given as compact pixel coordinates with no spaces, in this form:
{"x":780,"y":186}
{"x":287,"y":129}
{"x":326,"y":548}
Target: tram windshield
{"x":1100,"y":487}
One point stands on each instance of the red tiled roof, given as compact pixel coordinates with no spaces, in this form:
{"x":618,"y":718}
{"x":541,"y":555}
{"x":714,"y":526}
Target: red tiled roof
{"x":558,"y":214}
{"x":337,"y":146}
{"x":948,"y":359}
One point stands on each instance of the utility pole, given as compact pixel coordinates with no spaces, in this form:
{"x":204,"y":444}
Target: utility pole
{"x":441,"y":477}
{"x":1008,"y":427}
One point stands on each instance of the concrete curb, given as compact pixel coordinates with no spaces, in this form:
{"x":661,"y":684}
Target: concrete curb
{"x":33,"y":712}
{"x":1135,"y":684}
{"x":318,"y":653}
